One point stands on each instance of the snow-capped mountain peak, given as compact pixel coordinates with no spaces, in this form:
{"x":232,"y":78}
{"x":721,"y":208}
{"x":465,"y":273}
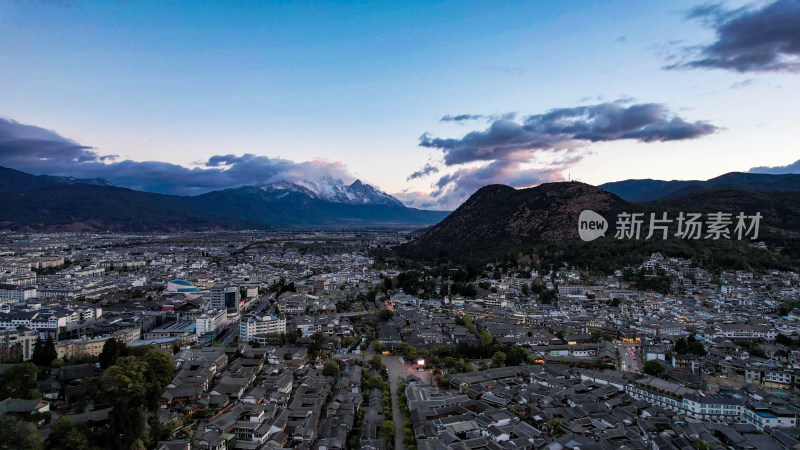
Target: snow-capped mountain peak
{"x":74,"y":180}
{"x":286,"y":186}
{"x":365,"y":193}
{"x":335,"y":191}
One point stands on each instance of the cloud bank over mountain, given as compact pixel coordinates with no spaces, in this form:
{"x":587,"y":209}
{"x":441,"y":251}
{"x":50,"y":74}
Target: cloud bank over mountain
{"x":41,"y":151}
{"x":539,"y":148}
{"x":778,"y":170}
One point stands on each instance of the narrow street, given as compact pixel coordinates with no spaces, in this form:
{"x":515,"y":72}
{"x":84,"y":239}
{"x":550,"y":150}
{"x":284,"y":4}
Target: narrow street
{"x":396,"y":369}
{"x":627,"y":354}
{"x":396,"y":415}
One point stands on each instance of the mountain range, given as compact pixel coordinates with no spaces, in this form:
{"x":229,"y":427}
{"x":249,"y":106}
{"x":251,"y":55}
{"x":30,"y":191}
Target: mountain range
{"x":646,"y":190}
{"x":329,"y":190}
{"x":494,"y":219}
{"x":47,"y":203}
{"x":499,"y":220}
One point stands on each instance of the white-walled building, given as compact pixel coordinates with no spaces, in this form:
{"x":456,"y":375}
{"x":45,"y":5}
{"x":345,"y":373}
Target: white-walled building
{"x":261,"y":326}
{"x":12,"y":293}
{"x":210,"y":321}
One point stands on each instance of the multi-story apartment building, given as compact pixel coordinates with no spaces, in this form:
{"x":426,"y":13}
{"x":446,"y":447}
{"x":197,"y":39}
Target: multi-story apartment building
{"x":747,"y":331}
{"x":762,"y":416}
{"x":713,"y":407}
{"x":260,"y":326}
{"x":12,"y":293}
{"x":773,"y":375}
{"x":225,"y":298}
{"x":210,"y":321}
{"x":26,"y":339}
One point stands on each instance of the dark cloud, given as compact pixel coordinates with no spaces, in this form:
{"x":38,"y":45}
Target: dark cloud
{"x":710,"y":13}
{"x":778,"y":170}
{"x":566,"y":128}
{"x":427,"y":170}
{"x":44,"y":152}
{"x":461,"y":117}
{"x":453,"y":189}
{"x":506,"y":149}
{"x":749,"y":39}
{"x":419,"y":199}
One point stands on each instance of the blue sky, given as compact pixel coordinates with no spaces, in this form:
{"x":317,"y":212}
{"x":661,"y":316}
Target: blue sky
{"x":347,"y":90}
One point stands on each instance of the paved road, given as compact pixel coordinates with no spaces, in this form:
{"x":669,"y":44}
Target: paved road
{"x":400,"y":370}
{"x":397,"y":416}
{"x":628,"y":363}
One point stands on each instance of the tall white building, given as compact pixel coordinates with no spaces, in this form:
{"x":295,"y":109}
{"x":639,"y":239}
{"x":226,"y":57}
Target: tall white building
{"x":225,"y":297}
{"x":210,"y":321}
{"x":261,"y":326}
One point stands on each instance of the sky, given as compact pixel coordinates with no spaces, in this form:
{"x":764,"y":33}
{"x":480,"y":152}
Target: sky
{"x":427,"y":101}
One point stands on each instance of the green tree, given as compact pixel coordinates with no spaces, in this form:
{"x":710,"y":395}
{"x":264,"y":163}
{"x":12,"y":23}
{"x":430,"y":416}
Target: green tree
{"x":681,"y":347}
{"x":653,"y":368}
{"x":126,"y":379}
{"x":44,"y":352}
{"x":161,"y":431}
{"x":318,"y":339}
{"x":701,"y":445}
{"x":19,"y":381}
{"x":385,"y":315}
{"x":697,"y":348}
{"x":64,"y":434}
{"x":293,"y":335}
{"x":38,"y":351}
{"x":126,"y":425}
{"x":757,"y":351}
{"x":548,"y":296}
{"x":375,"y":362}
{"x":553,"y":425}
{"x":409,"y":352}
{"x":49,"y":353}
{"x":377,"y":345}
{"x":16,"y":434}
{"x":784,"y":340}
{"x":111,"y":351}
{"x":498,"y":359}
{"x":158,"y":374}
{"x":131,"y":383}
{"x":387,"y":429}
{"x":485,"y":337}
{"x":331,"y":369}
{"x":125,"y":384}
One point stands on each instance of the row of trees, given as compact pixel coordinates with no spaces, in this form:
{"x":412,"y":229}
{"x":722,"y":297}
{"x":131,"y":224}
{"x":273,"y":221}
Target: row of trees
{"x":44,"y":353}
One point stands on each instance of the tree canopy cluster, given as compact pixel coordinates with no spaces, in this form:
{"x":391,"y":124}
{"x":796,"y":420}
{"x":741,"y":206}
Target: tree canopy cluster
{"x":133,"y":380}
{"x":689,"y":346}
